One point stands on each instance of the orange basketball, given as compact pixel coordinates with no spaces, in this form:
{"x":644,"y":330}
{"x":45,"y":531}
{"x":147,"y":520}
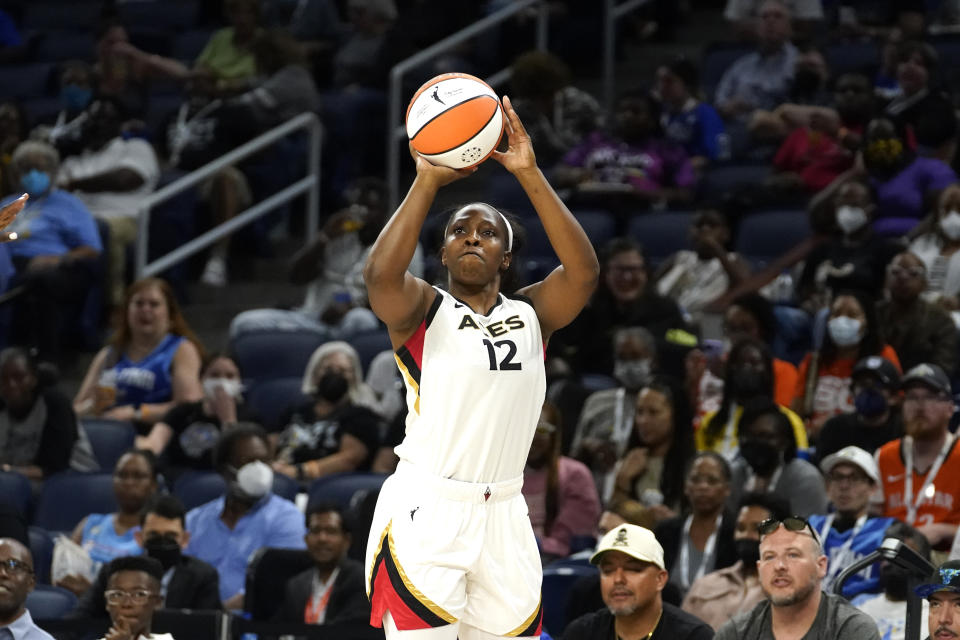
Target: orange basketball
{"x":455,"y":120}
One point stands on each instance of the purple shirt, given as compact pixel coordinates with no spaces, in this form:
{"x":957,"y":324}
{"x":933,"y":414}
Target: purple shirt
{"x":903,"y":195}
{"x":654,"y":165}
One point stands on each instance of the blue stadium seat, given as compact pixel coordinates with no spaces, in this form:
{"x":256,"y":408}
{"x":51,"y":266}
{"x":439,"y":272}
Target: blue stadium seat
{"x":557,"y":581}
{"x":847,"y":57}
{"x":68,"y":497}
{"x":505,"y":192}
{"x":78,"y":16}
{"x":716,"y":60}
{"x":23,"y":81}
{"x":109,"y":439}
{"x":342,"y":487}
{"x":15,"y":490}
{"x":599,"y":225}
{"x":661,"y":234}
{"x":171,"y":15}
{"x":58,"y":46}
{"x":269,"y":355}
{"x":369,"y":344}
{"x":195,"y":488}
{"x":721,"y":180}
{"x":267,"y":575}
{"x":598,"y":382}
{"x":762,"y":237}
{"x":271,"y":398}
{"x":188,"y":45}
{"x":43,"y":110}
{"x":47,"y":602}
{"x":41,"y":548}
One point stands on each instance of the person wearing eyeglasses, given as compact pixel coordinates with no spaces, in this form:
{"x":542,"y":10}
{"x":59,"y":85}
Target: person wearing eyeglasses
{"x":132,"y":596}
{"x":848,"y":533}
{"x":16,"y":581}
{"x":918,"y":330}
{"x":792,"y":567}
{"x":920,"y":472}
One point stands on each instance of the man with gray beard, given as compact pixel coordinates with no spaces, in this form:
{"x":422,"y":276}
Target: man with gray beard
{"x":632,"y":576}
{"x":791,"y":567}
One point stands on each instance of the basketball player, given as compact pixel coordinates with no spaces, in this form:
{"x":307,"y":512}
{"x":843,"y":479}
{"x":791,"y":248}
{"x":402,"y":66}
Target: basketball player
{"x":451,"y":551}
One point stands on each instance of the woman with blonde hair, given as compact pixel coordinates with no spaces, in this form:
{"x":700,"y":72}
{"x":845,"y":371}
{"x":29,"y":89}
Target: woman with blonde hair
{"x":151,"y":363}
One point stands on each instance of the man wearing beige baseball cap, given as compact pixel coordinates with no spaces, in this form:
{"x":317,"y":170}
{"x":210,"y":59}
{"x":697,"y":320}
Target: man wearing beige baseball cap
{"x":632,"y":576}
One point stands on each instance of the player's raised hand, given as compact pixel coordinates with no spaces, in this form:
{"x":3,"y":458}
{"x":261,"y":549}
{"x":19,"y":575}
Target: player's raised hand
{"x":436,"y":174}
{"x":519,"y":155}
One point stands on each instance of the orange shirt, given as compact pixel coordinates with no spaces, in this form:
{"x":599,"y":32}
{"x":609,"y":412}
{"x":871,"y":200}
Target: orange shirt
{"x":832,"y":395}
{"x":945,"y":505}
{"x":784,"y":382}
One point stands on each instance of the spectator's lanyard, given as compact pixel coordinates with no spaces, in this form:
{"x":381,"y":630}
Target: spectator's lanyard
{"x":708,"y":550}
{"x":928,"y":487}
{"x":316,"y":609}
{"x":838,"y":562}
{"x":621,"y":426}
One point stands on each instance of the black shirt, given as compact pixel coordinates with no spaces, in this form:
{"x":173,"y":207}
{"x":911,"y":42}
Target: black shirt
{"x":308,"y":437}
{"x":675,"y":624}
{"x":840,"y":266}
{"x":195,"y":435}
{"x":846,"y":429}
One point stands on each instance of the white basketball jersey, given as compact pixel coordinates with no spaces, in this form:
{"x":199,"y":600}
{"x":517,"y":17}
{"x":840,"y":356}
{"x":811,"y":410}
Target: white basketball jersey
{"x":475,"y":387}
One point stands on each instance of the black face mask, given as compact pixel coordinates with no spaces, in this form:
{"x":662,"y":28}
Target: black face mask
{"x":332,"y":386}
{"x":164,"y":550}
{"x":893,"y":579}
{"x":748,"y":550}
{"x":762,"y":457}
{"x":750,"y":384}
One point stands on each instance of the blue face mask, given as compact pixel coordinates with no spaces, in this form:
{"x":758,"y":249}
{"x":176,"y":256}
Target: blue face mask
{"x":36,"y":183}
{"x":75,"y":98}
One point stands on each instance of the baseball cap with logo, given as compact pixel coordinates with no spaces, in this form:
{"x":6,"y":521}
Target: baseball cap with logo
{"x":636,"y":542}
{"x":930,"y":376}
{"x":855,"y":456}
{"x":880,"y":368}
{"x":946,"y":577}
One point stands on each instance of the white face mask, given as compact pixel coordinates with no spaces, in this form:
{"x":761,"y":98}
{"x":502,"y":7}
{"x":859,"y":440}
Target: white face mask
{"x":255,"y":479}
{"x":950,"y":224}
{"x":233,"y":387}
{"x":851,"y":219}
{"x":844,"y":331}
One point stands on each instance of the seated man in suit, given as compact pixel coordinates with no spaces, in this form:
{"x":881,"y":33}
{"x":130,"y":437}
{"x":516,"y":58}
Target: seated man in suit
{"x":333,"y":590}
{"x":188,"y":583}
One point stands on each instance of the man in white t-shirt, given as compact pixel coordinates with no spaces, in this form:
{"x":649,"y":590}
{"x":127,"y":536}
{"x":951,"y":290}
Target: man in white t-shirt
{"x":132,"y":595}
{"x":111,"y":176}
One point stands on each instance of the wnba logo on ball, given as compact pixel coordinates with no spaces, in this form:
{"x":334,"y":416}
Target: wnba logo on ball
{"x":455,"y":120}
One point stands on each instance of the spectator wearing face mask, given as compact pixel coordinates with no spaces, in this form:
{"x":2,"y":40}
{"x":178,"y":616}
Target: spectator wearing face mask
{"x":185,"y":438}
{"x":938,"y":249}
{"x":918,"y":330}
{"x":852,"y":332}
{"x":607,"y":417}
{"x":749,"y":375}
{"x":876,"y":420}
{"x":332,"y":433}
{"x":889,"y":609}
{"x":227,"y":530}
{"x":56,"y":253}
{"x":853,"y":257}
{"x":768,"y":461}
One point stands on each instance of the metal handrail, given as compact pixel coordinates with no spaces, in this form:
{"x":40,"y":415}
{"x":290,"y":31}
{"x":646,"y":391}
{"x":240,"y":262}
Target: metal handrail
{"x":396,"y":131}
{"x":611,"y":14}
{"x":309,"y":184}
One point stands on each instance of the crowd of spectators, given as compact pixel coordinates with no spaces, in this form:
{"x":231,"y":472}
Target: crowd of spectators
{"x":702,"y":391}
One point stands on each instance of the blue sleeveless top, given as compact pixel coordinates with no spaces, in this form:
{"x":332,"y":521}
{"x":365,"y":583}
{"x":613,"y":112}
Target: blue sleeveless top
{"x":101,"y":541}
{"x":147,"y":381}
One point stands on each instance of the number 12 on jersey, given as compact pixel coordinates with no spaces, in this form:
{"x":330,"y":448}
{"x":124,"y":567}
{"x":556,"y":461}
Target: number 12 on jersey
{"x":507,"y":363}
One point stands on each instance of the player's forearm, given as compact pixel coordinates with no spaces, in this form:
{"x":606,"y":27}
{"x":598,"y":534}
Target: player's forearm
{"x":567,"y":237}
{"x":397,"y":242}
